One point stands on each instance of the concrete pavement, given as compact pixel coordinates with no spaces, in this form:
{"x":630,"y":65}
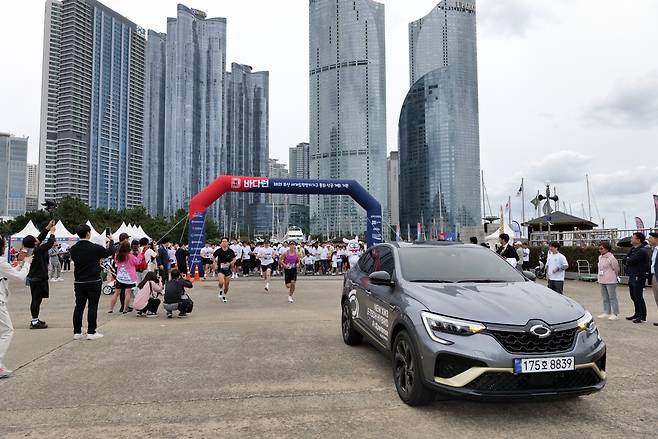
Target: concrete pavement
{"x":260,"y":367}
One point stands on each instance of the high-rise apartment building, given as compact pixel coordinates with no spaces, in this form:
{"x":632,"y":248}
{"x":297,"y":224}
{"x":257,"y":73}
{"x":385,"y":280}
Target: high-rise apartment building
{"x":32,"y":188}
{"x":299,"y":167}
{"x":92,"y":105}
{"x":247,"y":139}
{"x":347,"y":79}
{"x":154,"y":123}
{"x":438,"y":127}
{"x":392,"y":214}
{"x":13,"y":174}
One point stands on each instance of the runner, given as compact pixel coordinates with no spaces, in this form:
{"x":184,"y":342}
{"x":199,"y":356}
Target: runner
{"x":237,"y":266}
{"x":289,"y":262}
{"x":246,"y":259}
{"x":206,"y":259}
{"x":225,"y":258}
{"x":266,"y":258}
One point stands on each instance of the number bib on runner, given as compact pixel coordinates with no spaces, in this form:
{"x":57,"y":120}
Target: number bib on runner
{"x":537,"y":365}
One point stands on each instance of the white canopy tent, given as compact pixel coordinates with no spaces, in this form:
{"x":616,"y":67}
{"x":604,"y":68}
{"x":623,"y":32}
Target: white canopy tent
{"x":123,"y":228}
{"x":62,"y":233}
{"x":493,"y":238}
{"x":93,"y":230}
{"x":29,"y":229}
{"x":143,"y":233}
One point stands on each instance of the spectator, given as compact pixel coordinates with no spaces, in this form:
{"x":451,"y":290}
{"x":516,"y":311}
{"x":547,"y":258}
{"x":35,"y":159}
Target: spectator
{"x":474,"y":240}
{"x":519,"y":252}
{"x":506,"y":251}
{"x":556,"y":266}
{"x":181,"y":258}
{"x":608,"y":272}
{"x":526,"y":256}
{"x":637,"y":263}
{"x":6,"y":327}
{"x":146,"y":300}
{"x":163,"y":260}
{"x":66,"y":257}
{"x":87,"y":280}
{"x":175,"y":293}
{"x":55,"y":271}
{"x":38,"y":275}
{"x":126,"y":264}
{"x":151,"y":257}
{"x":653,"y":241}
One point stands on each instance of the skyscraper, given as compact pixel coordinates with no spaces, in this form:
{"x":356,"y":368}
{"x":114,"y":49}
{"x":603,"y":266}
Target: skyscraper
{"x":347,"y":79}
{"x":392,"y":215}
{"x":298,"y":159}
{"x":92,"y":105}
{"x":438,"y":127}
{"x":247,"y":138}
{"x":154,"y":123}
{"x":13,"y":174}
{"x":32,"y":188}
{"x":194,"y":134}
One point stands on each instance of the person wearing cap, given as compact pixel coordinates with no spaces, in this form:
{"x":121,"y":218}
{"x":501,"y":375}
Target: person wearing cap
{"x":637,"y":263}
{"x":653,"y":242}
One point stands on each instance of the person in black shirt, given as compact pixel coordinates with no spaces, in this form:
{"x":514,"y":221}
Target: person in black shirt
{"x":638,"y":265}
{"x":38,"y":275}
{"x":174,"y":292}
{"x":225,"y":258}
{"x":181,"y":258}
{"x":87,"y":280}
{"x":505,"y":250}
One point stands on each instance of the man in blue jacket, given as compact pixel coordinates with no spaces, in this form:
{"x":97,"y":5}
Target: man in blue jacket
{"x":38,"y":275}
{"x":163,"y":260}
{"x":637,"y":264}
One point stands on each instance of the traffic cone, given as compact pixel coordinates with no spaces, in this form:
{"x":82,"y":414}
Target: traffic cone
{"x":196,"y":274}
{"x":187,"y":275}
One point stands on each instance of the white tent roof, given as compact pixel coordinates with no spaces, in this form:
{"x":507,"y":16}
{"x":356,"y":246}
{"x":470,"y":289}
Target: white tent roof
{"x":93,"y":230}
{"x":29,"y":229}
{"x":143,"y":233}
{"x":493,"y":238}
{"x":62,"y":233}
{"x":122,"y":229}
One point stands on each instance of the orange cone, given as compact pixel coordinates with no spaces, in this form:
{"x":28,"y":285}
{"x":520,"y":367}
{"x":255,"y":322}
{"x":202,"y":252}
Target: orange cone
{"x":196,"y":274}
{"x":187,"y":275}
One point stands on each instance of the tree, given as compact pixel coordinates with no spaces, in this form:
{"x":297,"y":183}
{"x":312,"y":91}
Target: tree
{"x":72,"y":212}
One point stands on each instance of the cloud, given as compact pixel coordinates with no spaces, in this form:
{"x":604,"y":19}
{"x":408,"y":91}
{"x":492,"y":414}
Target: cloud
{"x":559,"y":167}
{"x":506,"y":17}
{"x":632,"y":103}
{"x":641,"y":180}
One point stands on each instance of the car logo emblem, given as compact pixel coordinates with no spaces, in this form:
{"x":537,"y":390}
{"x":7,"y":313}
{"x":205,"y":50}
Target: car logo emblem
{"x":541,"y":331}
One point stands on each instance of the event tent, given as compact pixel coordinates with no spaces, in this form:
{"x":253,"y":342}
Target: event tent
{"x":143,"y":233}
{"x":29,"y":229}
{"x":493,"y":238}
{"x":62,"y":233}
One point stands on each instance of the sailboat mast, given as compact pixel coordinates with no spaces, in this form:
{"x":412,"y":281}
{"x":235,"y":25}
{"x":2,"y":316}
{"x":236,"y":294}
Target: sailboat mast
{"x":589,"y":201}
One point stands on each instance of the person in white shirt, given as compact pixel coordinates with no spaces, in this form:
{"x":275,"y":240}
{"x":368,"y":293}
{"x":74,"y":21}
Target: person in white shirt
{"x":6,"y":328}
{"x":150,"y":256}
{"x":526,"y":256}
{"x":246,"y":259}
{"x":324,"y":260}
{"x":556,"y":266}
{"x":206,"y":259}
{"x":308,"y":264}
{"x":653,"y":242}
{"x":237,"y":266}
{"x":334,"y":263}
{"x":266,"y":256}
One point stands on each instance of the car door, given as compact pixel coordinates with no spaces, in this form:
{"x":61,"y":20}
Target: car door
{"x":359,"y":297}
{"x":381,"y":299}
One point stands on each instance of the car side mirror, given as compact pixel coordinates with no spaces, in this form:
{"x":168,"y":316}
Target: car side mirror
{"x":381,"y":278}
{"x":530,"y":275}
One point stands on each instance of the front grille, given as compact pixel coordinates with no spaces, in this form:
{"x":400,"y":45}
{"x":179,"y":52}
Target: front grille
{"x":501,"y":382}
{"x":525,"y":342}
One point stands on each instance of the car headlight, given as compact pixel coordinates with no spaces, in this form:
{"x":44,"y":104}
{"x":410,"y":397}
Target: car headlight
{"x":436,"y":324}
{"x":586,"y":322}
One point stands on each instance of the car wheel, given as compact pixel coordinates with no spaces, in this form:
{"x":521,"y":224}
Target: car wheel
{"x":350,"y":335}
{"x":407,"y":373}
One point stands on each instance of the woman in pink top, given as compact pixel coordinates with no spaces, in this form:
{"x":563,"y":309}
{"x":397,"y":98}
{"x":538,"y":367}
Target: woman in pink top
{"x":146,"y":300}
{"x":608,"y":272}
{"x":126,"y":264}
{"x":289,"y":261}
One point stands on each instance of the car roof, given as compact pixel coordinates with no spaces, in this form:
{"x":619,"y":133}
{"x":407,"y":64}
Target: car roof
{"x":426,"y":244}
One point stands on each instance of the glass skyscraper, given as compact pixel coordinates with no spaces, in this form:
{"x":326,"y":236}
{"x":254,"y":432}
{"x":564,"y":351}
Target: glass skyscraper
{"x":92,"y":105}
{"x":347,"y":78}
{"x":438,"y":127}
{"x":13,"y":175}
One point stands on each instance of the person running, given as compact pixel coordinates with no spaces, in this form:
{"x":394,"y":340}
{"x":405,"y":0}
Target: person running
{"x":266,"y":258}
{"x":6,"y":328}
{"x":126,"y":264}
{"x":237,"y":249}
{"x":87,"y":280}
{"x":38,"y":274}
{"x":224,"y":258}
{"x":146,"y":300}
{"x":206,"y":259}
{"x":289,"y":262}
{"x":246,"y":260}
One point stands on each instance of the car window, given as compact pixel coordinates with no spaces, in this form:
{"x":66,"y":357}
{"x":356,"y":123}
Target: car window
{"x":455,"y":264}
{"x":383,"y":259}
{"x":366,"y":263}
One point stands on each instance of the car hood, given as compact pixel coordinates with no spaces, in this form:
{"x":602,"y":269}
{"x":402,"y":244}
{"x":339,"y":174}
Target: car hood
{"x":502,"y":303}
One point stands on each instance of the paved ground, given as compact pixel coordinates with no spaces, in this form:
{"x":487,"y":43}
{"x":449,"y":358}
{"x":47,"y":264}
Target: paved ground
{"x":259,"y":366}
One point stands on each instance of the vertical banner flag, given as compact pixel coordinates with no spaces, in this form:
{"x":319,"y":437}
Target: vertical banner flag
{"x":655,"y":203}
{"x":418,"y":232}
{"x":639,"y":223}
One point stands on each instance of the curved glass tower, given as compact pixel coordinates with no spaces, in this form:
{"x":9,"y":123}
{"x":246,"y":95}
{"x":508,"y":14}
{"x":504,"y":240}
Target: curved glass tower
{"x":438,"y":127}
{"x":347,"y":78}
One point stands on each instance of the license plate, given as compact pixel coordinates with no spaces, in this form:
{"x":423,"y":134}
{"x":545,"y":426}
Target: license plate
{"x":538,"y":365}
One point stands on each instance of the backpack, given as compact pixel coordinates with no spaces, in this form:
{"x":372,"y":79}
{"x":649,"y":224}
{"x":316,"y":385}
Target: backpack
{"x":142,"y":265}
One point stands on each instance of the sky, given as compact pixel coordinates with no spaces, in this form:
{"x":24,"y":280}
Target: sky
{"x":566,"y":88}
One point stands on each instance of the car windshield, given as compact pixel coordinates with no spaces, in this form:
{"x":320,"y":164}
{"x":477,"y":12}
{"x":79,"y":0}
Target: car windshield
{"x":455,"y":264}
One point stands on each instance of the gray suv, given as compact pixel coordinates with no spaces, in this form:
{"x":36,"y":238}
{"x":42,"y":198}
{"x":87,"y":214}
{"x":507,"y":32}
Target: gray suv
{"x":458,"y":320}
